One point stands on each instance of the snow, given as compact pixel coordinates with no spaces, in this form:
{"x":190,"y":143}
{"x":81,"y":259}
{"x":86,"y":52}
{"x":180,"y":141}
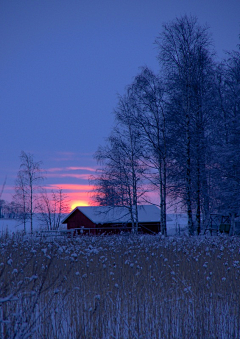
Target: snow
{"x":142,"y":286}
{"x":177,"y":224}
{"x":11,"y":226}
{"x":105,"y":214}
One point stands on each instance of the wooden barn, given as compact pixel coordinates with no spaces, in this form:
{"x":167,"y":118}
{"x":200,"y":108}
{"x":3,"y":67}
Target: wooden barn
{"x":103,"y":219}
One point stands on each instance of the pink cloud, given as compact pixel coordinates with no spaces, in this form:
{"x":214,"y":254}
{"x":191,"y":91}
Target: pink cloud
{"x":64,"y":169}
{"x":9,"y":188}
{"x":67,"y":156}
{"x":70,"y":187}
{"x":90,"y":169}
{"x":55,"y":169}
{"x":68,"y":175}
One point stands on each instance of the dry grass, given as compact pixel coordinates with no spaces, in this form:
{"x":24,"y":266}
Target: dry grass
{"x":120,"y":287}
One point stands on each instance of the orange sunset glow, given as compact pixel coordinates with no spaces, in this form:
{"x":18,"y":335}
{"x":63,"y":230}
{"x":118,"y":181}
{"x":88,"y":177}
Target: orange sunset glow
{"x":77,"y":195}
{"x":75,"y":204}
{"x":82,"y":198}
{"x":81,"y":194}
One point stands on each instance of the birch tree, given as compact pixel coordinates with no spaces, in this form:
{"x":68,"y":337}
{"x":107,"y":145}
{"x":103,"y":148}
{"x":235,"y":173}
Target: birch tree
{"x":186,"y":61}
{"x":21,"y":198}
{"x":27,"y":183}
{"x":51,"y":208}
{"x":228,"y":170}
{"x":120,"y":182}
{"x":148,"y":96}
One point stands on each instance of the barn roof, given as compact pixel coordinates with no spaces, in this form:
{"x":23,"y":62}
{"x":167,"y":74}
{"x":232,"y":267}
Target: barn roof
{"x":106,"y":214}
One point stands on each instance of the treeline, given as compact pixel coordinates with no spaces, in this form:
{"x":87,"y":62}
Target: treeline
{"x":177,"y":132}
{"x":31,"y":198}
{"x":9,"y":210}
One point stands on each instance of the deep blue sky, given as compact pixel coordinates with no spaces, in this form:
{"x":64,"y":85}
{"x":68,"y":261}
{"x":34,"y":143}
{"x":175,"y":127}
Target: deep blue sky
{"x":62,"y":65}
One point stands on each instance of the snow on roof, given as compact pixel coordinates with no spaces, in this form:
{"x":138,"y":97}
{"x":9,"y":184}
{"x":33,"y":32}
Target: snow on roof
{"x":106,"y":214}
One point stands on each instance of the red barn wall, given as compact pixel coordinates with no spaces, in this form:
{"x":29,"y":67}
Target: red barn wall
{"x":78,"y":219}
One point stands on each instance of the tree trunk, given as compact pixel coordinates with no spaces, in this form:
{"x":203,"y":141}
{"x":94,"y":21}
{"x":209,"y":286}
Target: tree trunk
{"x":31,"y":208}
{"x":232,"y":227}
{"x":188,"y":181}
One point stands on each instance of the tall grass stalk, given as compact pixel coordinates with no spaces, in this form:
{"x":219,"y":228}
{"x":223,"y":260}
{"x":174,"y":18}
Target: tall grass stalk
{"x":120,"y":287}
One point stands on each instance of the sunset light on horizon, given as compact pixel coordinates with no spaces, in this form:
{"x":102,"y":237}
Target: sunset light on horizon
{"x":78,"y":203}
{"x":76,"y":195}
{"x":78,"y":191}
{"x":120,"y":169}
{"x":59,"y":95}
{"x":75,"y":199}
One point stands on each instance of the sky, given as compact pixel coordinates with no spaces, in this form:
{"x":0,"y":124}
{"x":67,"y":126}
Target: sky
{"x":63,"y":65}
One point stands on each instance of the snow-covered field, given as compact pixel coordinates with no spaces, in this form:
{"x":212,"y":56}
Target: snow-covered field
{"x":176,"y":226}
{"x":120,"y":287}
{"x":13,"y":225}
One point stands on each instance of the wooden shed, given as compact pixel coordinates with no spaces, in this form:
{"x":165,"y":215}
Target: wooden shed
{"x":104,"y":219}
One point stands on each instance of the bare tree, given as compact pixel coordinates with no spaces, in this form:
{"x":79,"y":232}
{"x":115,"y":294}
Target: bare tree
{"x":120,"y":182}
{"x":27,"y":183}
{"x":3,"y":186}
{"x":2,"y":202}
{"x":21,"y":198}
{"x":228,"y":150}
{"x":186,"y":60}
{"x":148,"y":96}
{"x":187,"y":125}
{"x":51,"y":208}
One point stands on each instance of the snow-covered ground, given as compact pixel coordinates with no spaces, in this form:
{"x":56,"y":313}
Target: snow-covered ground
{"x":13,"y":225}
{"x":178,"y":224}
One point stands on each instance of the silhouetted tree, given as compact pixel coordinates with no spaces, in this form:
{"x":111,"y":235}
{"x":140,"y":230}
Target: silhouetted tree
{"x":120,"y":180}
{"x":21,"y":198}
{"x":178,"y":130}
{"x":186,"y":61}
{"x":51,"y":208}
{"x":149,"y":98}
{"x":27,"y":183}
{"x":228,"y":156}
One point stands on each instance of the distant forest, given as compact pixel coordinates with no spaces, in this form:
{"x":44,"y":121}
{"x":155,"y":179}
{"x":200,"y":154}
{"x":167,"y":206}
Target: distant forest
{"x":177,"y":131}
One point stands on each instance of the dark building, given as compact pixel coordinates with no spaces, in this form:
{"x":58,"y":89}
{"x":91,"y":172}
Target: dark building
{"x":104,"y":219}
